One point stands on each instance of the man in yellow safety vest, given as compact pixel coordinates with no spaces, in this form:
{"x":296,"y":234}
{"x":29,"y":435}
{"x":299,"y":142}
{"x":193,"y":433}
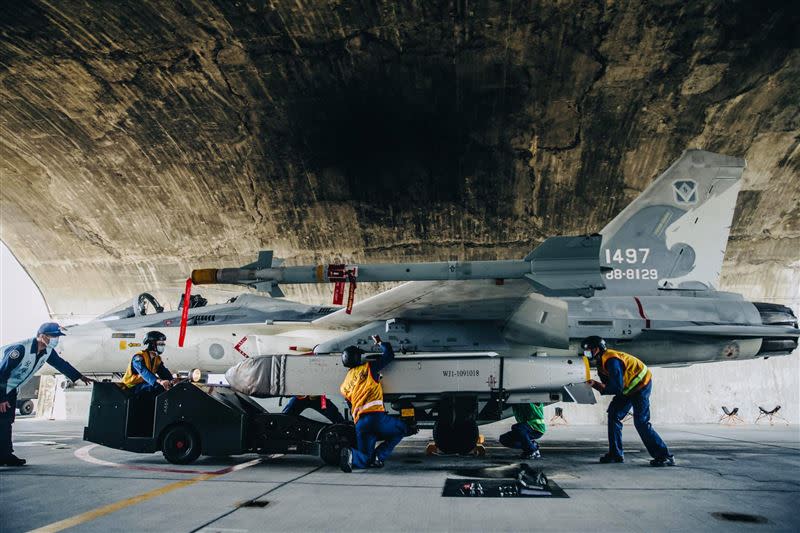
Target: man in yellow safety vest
{"x":630,"y":381}
{"x":146,"y":373}
{"x":363,"y":391}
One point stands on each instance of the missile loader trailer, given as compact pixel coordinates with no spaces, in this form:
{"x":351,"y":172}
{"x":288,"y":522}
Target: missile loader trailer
{"x":190,"y":420}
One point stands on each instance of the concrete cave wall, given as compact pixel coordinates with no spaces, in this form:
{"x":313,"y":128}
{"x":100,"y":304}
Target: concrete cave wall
{"x":139,"y":140}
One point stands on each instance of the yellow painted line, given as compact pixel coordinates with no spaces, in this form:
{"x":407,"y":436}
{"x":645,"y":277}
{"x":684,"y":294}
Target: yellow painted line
{"x":122,"y":504}
{"x":113,"y":507}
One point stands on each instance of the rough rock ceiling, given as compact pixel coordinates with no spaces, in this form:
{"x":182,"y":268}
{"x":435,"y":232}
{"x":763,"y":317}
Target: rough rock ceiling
{"x":141,"y":139}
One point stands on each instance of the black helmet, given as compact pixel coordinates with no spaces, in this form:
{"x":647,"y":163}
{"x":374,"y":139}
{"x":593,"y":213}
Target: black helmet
{"x":152,"y":338}
{"x":589,"y":343}
{"x":351,"y":356}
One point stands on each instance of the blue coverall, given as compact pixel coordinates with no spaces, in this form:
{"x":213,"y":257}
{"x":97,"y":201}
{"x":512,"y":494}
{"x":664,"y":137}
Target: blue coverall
{"x":7,"y":366}
{"x":372,"y":427}
{"x":522,"y":436}
{"x":621,"y":405}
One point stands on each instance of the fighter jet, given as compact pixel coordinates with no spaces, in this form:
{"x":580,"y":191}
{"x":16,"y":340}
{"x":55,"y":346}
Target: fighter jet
{"x":662,"y":258}
{"x":655,"y":296}
{"x":220,"y":336}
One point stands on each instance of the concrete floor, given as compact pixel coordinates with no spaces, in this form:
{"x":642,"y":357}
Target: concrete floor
{"x":745,"y":469}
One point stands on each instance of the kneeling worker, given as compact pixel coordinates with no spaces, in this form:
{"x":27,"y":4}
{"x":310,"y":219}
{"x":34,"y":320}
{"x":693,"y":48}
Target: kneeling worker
{"x":630,"y":381}
{"x":146,"y":372}
{"x":19,"y":361}
{"x":363,"y":391}
{"x":529,"y":427}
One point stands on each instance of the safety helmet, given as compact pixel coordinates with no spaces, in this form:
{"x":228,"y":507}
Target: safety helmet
{"x":152,"y":338}
{"x":592,"y":342}
{"x":351,"y":356}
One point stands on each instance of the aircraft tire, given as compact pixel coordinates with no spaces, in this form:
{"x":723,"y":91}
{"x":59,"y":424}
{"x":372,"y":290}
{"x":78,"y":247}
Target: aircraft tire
{"x":181,"y":445}
{"x":26,"y":407}
{"x":332,"y":439}
{"x":460,"y":437}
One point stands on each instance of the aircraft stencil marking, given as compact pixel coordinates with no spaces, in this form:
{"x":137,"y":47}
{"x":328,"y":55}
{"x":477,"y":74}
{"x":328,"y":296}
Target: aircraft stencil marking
{"x":238,"y":346}
{"x":685,"y":192}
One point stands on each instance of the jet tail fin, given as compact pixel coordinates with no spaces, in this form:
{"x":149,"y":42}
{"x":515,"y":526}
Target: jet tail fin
{"x":674,"y":235}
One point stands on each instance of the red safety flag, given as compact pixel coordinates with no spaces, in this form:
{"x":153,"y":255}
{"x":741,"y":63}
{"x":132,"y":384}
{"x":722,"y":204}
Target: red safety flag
{"x":351,"y":296}
{"x":187,"y":298}
{"x":323,"y":402}
{"x":338,"y":293}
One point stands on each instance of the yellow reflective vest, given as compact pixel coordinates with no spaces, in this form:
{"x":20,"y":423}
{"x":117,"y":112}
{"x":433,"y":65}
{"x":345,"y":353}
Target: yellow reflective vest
{"x":362,"y":391}
{"x":635,"y":374}
{"x":151,"y":361}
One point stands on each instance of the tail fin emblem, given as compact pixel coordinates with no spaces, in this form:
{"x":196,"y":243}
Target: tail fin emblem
{"x":685,"y":191}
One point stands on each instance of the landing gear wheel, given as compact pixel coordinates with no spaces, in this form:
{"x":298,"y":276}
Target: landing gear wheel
{"x":181,"y":445}
{"x":459,"y":437}
{"x":333,"y":439}
{"x":26,"y":407}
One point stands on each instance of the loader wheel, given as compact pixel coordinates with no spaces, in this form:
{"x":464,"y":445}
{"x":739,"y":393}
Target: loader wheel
{"x":332,"y":439}
{"x":459,"y":437}
{"x":26,"y":407}
{"x":181,"y":445}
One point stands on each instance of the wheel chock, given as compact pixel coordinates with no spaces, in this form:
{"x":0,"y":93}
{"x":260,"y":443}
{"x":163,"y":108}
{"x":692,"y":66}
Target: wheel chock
{"x":431,"y":449}
{"x":478,"y":451}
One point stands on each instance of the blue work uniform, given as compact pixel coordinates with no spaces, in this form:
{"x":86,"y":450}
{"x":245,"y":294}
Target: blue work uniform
{"x":529,"y":427}
{"x":621,"y":405}
{"x":374,"y":426}
{"x":298,"y":404}
{"x":18,"y":363}
{"x":150,"y":378}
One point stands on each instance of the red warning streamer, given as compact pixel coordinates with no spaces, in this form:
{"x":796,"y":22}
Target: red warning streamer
{"x":351,"y":295}
{"x":187,"y":295}
{"x":338,"y":293}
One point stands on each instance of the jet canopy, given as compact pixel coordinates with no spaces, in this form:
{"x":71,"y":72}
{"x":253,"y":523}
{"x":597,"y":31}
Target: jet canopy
{"x":143,"y":304}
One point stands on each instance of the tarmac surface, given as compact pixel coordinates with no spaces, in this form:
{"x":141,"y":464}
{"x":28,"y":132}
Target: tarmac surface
{"x":751,"y":473}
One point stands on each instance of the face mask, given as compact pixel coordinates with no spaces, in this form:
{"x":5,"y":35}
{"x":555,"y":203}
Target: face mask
{"x":587,"y":353}
{"x":53,"y":343}
{"x":160,"y":348}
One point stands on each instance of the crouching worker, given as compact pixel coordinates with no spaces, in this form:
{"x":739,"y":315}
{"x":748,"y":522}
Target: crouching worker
{"x":320,"y":404}
{"x":529,"y":427}
{"x":146,"y":373}
{"x":363,"y":391}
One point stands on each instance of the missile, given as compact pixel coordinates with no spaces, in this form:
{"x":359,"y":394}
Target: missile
{"x":419,"y":376}
{"x":560,"y":266}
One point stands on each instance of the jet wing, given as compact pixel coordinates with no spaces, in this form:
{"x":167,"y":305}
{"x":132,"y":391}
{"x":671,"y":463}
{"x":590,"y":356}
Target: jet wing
{"x":435,"y":300}
{"x":525,"y":317}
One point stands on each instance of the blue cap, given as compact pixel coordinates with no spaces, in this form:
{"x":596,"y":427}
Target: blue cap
{"x":51,"y":329}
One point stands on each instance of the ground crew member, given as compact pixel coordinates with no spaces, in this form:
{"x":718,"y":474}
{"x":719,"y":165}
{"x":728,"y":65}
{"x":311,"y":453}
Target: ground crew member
{"x":19,"y":361}
{"x":146,"y":373}
{"x":363,"y":391}
{"x":322,"y":405}
{"x":529,"y":427}
{"x":630,"y":381}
